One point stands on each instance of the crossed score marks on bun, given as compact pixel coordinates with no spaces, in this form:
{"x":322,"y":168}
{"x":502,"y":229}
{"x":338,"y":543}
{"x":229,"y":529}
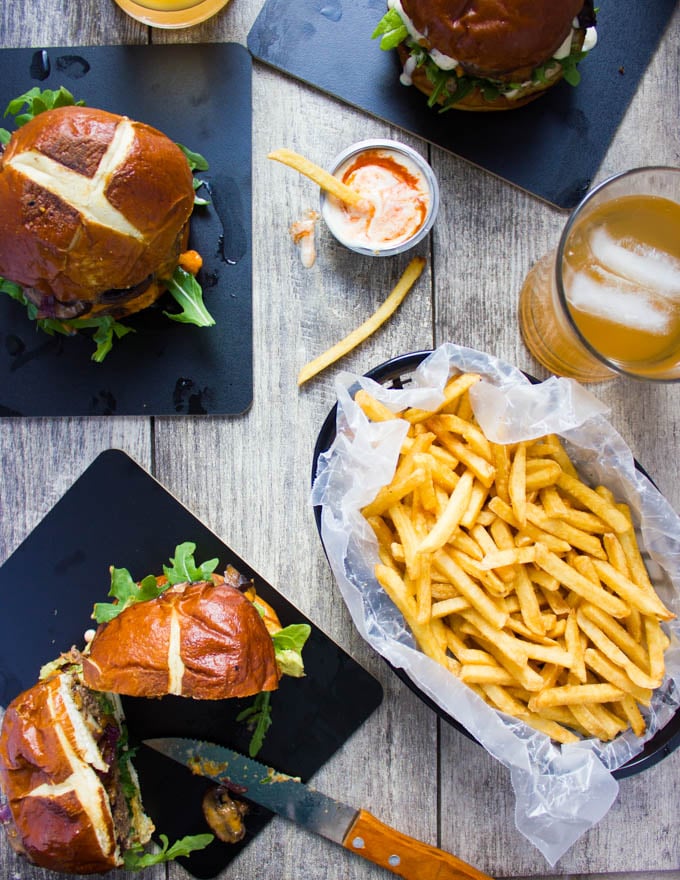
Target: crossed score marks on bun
{"x":72,"y":796}
{"x":485,"y":55}
{"x":94,"y":218}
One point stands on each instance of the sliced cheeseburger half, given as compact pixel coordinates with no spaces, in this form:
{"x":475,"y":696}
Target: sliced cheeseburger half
{"x":487,"y":54}
{"x":71,"y":791}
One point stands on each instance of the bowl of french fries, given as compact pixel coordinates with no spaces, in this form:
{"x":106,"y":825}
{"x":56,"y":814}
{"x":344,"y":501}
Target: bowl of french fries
{"x":498,"y":545}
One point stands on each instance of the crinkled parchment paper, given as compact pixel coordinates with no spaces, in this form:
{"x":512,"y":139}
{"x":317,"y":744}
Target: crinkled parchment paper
{"x":561,"y":791}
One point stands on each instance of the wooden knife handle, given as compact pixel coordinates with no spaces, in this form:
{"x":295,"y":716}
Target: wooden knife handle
{"x":404,"y":855}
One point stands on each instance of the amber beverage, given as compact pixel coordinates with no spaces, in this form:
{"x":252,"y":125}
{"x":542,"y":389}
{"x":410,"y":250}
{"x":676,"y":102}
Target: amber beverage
{"x":607,"y":301}
{"x":171,"y":13}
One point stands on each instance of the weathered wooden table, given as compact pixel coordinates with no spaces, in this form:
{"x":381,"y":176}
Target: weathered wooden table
{"x":247,"y":477}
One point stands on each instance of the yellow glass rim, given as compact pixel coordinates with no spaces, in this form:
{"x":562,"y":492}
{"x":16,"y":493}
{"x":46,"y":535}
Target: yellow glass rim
{"x":173,"y":18}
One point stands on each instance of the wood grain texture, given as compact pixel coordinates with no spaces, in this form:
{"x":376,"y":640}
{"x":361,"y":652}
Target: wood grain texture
{"x":248,"y":477}
{"x":402,"y":855}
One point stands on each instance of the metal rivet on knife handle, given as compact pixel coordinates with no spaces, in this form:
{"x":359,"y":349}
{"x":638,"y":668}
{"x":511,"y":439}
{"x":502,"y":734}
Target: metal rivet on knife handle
{"x":404,"y":855}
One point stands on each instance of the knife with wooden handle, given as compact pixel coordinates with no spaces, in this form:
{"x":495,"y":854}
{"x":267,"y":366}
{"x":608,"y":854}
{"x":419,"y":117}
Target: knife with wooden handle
{"x":355,"y":830}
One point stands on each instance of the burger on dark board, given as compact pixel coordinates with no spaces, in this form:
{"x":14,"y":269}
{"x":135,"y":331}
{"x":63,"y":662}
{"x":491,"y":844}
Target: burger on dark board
{"x":70,"y":794}
{"x":485,"y":55}
{"x":94,"y":218}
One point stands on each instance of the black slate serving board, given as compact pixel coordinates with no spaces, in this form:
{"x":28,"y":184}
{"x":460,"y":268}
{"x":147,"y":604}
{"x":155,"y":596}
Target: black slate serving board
{"x":117,"y":514}
{"x":551,"y":147}
{"x":200,"y":96}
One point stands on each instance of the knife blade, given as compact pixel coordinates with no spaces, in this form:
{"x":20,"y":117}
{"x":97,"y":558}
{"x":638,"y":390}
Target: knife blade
{"x":356,"y":830}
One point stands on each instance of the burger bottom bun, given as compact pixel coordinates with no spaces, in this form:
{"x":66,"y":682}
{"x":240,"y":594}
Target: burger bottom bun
{"x":116,"y":303}
{"x":475,"y":101}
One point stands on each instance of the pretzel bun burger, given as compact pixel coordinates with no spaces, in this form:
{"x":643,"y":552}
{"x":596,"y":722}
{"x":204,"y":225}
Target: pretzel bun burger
{"x":485,"y":55}
{"x":190,"y":632}
{"x":204,"y":640}
{"x":72,"y":799}
{"x":94,"y":212}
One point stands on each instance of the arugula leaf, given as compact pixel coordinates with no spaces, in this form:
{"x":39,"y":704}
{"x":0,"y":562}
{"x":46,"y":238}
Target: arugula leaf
{"x":184,"y":568}
{"x":4,"y":136}
{"x":136,"y":859}
{"x":126,"y":592}
{"x":196,"y":161}
{"x":391,"y":29}
{"x":37,"y":101}
{"x":106,"y":328}
{"x":258,"y":717}
{"x":189,"y":295}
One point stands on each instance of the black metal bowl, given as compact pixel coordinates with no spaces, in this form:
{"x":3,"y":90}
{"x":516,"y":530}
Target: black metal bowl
{"x":396,"y":373}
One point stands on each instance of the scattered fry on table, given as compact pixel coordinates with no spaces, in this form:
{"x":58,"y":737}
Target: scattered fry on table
{"x":377,"y":319}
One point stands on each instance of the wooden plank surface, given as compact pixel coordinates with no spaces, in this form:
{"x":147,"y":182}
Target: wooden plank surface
{"x":248,"y":477}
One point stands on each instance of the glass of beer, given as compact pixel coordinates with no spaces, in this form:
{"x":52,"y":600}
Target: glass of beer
{"x":171,"y":13}
{"x":607,"y":300}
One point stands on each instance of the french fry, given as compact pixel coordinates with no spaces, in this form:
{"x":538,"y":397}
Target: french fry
{"x":517,"y":486}
{"x":449,"y":521}
{"x":576,"y":694}
{"x":645,"y":602}
{"x":553,"y":729}
{"x":594,"y":502}
{"x":372,"y":408}
{"x":580,"y":585}
{"x":360,"y":334}
{"x":393,"y":493}
{"x":319,"y":175}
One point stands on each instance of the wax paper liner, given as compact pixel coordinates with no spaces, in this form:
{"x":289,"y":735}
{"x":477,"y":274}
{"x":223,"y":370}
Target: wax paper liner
{"x":561,"y":791}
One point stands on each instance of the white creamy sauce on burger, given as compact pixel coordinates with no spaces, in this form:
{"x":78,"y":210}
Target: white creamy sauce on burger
{"x":397,"y":196}
{"x":444,"y":62}
{"x":590,"y":40}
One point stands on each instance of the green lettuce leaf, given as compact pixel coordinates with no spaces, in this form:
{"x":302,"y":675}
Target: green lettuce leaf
{"x":183,"y":568}
{"x":288,"y":645}
{"x":188,"y":293}
{"x":36,"y":101}
{"x":125,"y":591}
{"x":391,"y":30}
{"x":136,"y":858}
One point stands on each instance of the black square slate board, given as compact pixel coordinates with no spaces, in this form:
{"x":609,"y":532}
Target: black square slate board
{"x":200,"y":96}
{"x":117,"y":514}
{"x":551,"y":147}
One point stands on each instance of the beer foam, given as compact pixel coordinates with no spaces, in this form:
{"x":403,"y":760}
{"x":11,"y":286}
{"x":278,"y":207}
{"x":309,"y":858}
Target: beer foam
{"x":637,"y":262}
{"x":608,"y":296}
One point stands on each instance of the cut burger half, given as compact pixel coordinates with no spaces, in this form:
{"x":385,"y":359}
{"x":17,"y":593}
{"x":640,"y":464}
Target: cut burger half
{"x":72,"y":795}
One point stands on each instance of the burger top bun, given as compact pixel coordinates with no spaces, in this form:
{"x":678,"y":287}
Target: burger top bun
{"x":200,"y":640}
{"x":494,"y":38}
{"x":53,"y":767}
{"x":91,"y":204}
